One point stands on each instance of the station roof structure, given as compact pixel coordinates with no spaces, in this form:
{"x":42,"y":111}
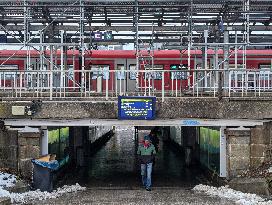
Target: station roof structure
{"x":164,"y":21}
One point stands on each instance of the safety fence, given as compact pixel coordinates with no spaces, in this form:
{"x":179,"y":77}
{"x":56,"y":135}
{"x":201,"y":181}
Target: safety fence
{"x":59,"y":84}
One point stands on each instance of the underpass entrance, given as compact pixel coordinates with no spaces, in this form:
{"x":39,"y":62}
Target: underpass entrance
{"x":184,"y":152}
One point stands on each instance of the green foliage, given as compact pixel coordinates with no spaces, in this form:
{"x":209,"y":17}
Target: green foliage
{"x":53,"y":136}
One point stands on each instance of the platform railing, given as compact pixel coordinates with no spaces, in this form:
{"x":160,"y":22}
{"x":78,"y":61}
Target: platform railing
{"x":111,"y":83}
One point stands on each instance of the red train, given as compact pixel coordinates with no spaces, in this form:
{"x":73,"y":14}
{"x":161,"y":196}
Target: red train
{"x":102,"y":62}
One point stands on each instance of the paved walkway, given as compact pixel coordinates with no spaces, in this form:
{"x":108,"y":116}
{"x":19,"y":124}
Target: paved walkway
{"x":138,"y":196}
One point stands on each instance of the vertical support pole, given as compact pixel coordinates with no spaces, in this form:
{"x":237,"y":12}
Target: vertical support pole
{"x":206,"y":57}
{"x":42,"y":74}
{"x":190,"y":22}
{"x":226,"y":57}
{"x":236,"y":51}
{"x":25,"y":44}
{"x":82,"y":47}
{"x":51,"y":72}
{"x":107,"y":86}
{"x":136,"y":19}
{"x":223,"y":153}
{"x":73,"y":74}
{"x":61,"y":62}
{"x":44,"y":141}
{"x":247,"y":20}
{"x":162,"y":86}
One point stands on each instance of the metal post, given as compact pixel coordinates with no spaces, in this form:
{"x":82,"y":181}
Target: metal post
{"x":206,"y":56}
{"x":190,"y":22}
{"x":51,"y":72}
{"x":247,"y":20}
{"x":44,"y":141}
{"x":136,"y":19}
{"x":61,"y":62}
{"x":25,"y":22}
{"x":236,"y":51}
{"x":82,"y":47}
{"x":223,"y":153}
{"x":107,"y":87}
{"x":226,"y":58}
{"x":162,"y":86}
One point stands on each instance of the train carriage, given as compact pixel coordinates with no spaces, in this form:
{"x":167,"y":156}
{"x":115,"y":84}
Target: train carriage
{"x":115,"y":70}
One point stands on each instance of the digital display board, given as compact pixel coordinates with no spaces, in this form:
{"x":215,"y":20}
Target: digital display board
{"x":136,"y":108}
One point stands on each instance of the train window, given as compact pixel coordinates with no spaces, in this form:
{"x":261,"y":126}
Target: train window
{"x":179,"y":75}
{"x":232,"y":66}
{"x":71,"y":73}
{"x":156,"y":75}
{"x":132,"y":73}
{"x":265,"y":66}
{"x":265,"y":74}
{"x":101,"y":70}
{"x":121,"y":75}
{"x":9,"y":71}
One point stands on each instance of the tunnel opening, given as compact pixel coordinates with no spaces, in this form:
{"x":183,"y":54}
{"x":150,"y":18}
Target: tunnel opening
{"x":107,"y":156}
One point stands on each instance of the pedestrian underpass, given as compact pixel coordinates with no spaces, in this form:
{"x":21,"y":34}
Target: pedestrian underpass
{"x":184,"y":155}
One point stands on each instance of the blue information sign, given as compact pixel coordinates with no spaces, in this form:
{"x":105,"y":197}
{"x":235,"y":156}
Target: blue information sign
{"x":136,"y":108}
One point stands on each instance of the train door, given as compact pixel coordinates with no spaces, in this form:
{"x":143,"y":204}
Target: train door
{"x":265,"y":76}
{"x":120,"y":85}
{"x":100,"y":76}
{"x":153,"y":77}
{"x":131,"y":75}
{"x":178,"y":76}
{"x":8,"y":75}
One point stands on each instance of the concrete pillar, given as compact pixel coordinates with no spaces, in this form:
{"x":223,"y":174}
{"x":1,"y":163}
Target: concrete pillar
{"x":259,"y":144}
{"x":223,"y":153}
{"x":238,"y":151}
{"x":8,"y":149}
{"x":78,"y":146}
{"x":28,"y":148}
{"x":44,"y":141}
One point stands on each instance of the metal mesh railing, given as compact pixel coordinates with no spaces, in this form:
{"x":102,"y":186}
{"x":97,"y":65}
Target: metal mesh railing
{"x":111,"y":83}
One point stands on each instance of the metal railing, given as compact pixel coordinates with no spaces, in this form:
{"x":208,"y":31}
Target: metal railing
{"x":111,"y":83}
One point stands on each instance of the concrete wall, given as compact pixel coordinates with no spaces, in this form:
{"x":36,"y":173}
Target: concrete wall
{"x":171,"y":108}
{"x":9,"y":149}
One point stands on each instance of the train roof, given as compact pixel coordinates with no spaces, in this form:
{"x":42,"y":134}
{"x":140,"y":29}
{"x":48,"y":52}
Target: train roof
{"x":132,"y":53}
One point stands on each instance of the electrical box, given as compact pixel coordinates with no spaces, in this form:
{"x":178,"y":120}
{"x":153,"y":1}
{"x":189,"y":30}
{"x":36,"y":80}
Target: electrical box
{"x":18,"y":110}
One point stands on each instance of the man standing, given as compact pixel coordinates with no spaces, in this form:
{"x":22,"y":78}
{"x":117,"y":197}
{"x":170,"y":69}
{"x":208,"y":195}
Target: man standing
{"x":146,"y":152}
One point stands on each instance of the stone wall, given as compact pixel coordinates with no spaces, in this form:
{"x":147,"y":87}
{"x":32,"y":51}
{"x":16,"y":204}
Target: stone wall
{"x":260,"y":142}
{"x":28,"y":148}
{"x":238,"y":151}
{"x":8,"y":149}
{"x":248,"y":148}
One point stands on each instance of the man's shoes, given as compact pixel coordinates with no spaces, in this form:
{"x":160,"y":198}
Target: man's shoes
{"x":147,"y":189}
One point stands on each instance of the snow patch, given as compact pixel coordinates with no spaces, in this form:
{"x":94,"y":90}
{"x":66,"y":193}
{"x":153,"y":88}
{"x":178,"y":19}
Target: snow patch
{"x":7,"y":180}
{"x":237,"y":196}
{"x":39,"y":195}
